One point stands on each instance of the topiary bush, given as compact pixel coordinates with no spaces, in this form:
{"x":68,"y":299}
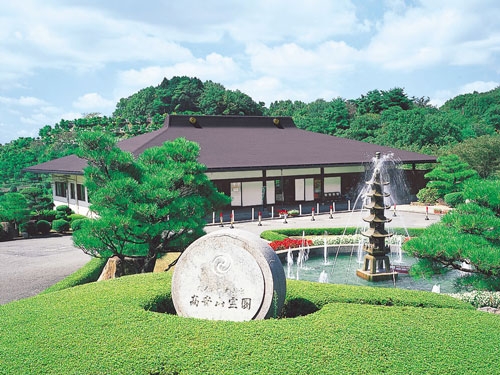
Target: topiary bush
{"x":77,"y":224}
{"x":74,"y":217}
{"x":60,"y":225}
{"x":62,"y":212}
{"x":47,"y":215}
{"x":29,"y":227}
{"x":43,"y":227}
{"x":428,"y":195}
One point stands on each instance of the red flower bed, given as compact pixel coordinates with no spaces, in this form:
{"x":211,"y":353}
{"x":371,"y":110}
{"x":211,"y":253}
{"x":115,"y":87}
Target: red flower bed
{"x":290,"y":243}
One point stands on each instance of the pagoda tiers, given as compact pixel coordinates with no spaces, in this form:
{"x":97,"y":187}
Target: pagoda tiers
{"x":376,"y":264}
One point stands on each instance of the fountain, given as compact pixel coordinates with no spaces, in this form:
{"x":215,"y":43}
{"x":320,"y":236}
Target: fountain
{"x":376,"y":264}
{"x":323,"y":277}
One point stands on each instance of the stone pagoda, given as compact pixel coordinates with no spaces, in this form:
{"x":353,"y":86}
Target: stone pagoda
{"x":376,"y":264}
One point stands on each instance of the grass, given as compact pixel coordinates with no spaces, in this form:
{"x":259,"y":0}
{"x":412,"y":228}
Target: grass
{"x":111,"y":327}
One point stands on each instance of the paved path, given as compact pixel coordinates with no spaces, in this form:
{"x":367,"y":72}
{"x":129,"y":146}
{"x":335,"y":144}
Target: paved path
{"x":28,"y":266}
{"x":406,"y":217}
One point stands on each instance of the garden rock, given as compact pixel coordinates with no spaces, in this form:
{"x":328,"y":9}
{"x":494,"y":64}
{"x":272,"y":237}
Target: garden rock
{"x":116,"y":267}
{"x":491,"y":310}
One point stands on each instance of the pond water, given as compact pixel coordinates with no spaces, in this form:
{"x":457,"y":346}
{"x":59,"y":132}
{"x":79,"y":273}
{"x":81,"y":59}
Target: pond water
{"x":341,"y":269}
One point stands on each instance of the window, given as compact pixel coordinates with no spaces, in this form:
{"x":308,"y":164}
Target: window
{"x":61,"y":189}
{"x":80,"y":192}
{"x":72,"y":191}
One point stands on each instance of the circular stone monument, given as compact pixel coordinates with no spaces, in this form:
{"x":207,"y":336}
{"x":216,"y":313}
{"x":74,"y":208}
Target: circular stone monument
{"x":229,"y":274}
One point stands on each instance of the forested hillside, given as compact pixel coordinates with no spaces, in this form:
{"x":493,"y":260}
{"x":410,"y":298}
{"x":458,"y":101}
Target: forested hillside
{"x":390,"y":118}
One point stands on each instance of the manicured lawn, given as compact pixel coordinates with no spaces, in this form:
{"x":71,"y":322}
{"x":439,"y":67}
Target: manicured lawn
{"x":108,"y":328}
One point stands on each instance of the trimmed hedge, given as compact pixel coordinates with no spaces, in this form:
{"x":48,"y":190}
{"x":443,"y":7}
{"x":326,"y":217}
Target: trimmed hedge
{"x":60,"y":225}
{"x":110,"y":327}
{"x":77,"y":223}
{"x":43,"y":226}
{"x":74,"y":217}
{"x":281,"y":234}
{"x":29,"y":227}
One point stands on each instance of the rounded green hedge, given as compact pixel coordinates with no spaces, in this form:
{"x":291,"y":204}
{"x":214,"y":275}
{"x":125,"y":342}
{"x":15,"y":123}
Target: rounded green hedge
{"x":43,"y":226}
{"x":111,"y":327}
{"x":60,"y":225}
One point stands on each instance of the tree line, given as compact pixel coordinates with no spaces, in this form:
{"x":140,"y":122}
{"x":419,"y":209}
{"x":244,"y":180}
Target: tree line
{"x":467,"y":125}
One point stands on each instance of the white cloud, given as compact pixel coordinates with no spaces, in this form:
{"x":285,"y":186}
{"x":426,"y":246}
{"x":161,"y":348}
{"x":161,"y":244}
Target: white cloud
{"x":24,"y":101}
{"x":292,"y":60}
{"x":447,"y":32}
{"x":478,"y":86}
{"x":441,"y":96}
{"x":213,"y":67}
{"x":93,"y":102}
{"x":39,"y":35}
{"x":302,"y":21}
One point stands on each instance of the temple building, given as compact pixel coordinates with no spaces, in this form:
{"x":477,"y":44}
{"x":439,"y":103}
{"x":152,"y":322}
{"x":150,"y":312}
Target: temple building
{"x":255,"y":160}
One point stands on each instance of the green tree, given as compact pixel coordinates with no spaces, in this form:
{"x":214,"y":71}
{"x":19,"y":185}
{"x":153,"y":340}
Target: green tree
{"x":466,"y":239}
{"x":449,"y":175}
{"x":482,"y":154}
{"x":211,"y":101}
{"x":377,"y":101}
{"x":14,"y":208}
{"x":363,"y":128}
{"x":145,"y":206}
{"x":37,"y":198}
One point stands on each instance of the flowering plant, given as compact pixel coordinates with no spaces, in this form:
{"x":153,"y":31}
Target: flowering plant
{"x":282,"y":212}
{"x":290,"y":243}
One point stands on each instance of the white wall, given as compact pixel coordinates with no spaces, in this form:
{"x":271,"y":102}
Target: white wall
{"x":235,"y":194}
{"x":78,"y":206}
{"x":304,"y":189}
{"x":270,"y":192}
{"x":332,"y":184}
{"x":252,"y":193}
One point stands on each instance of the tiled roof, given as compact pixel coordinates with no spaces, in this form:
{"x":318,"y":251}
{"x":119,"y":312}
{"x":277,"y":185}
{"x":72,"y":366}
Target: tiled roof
{"x":248,"y":142}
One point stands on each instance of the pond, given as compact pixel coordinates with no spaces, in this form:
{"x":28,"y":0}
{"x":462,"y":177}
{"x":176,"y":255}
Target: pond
{"x":341,"y":269}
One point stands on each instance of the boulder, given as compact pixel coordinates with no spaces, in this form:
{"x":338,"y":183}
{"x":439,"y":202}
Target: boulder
{"x":116,"y":267}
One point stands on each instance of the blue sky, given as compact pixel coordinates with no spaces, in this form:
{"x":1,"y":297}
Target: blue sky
{"x":64,"y":58}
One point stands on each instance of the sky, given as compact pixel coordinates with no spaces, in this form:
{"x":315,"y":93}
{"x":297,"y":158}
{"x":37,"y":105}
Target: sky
{"x":62,"y":59}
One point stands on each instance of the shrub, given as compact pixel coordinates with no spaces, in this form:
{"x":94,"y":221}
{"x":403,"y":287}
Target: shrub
{"x":74,"y":217}
{"x":480,"y":298}
{"x":77,"y":223}
{"x":428,"y":195}
{"x":7,"y":231}
{"x":3,"y":234}
{"x":60,"y":225}
{"x":454,"y":199}
{"x":29,"y":227}
{"x":290,"y":243}
{"x":62,"y":212}
{"x":43,"y":226}
{"x":271,"y":235}
{"x":47,"y":215}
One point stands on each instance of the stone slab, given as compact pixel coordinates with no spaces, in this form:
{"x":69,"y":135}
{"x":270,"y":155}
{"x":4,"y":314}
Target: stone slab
{"x":229,"y":274}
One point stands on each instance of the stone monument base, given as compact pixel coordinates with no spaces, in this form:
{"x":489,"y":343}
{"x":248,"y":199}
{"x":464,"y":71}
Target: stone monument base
{"x":383,"y":276}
